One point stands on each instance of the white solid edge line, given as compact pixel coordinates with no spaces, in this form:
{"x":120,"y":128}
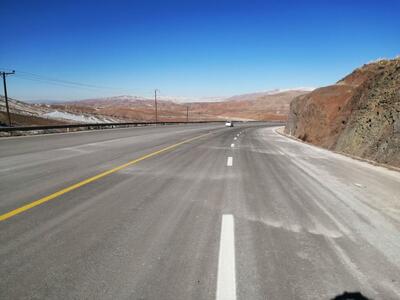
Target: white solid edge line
{"x":232,"y":145}
{"x":226,"y":280}
{"x":229,"y":162}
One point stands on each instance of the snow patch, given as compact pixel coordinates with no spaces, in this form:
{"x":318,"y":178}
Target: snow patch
{"x":77,"y":118}
{"x":278,"y":91}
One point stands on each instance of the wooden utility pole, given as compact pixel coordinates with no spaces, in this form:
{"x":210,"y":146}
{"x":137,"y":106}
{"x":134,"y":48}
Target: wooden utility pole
{"x":155,"y":104}
{"x":4,"y":74}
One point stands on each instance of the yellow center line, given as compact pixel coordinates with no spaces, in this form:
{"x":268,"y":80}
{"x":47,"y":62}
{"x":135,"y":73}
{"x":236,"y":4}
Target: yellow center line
{"x":91,"y":179}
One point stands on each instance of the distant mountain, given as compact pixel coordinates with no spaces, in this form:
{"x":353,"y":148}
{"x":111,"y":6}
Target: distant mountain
{"x":256,"y":106}
{"x":127,"y":108}
{"x":257,"y":95}
{"x":116,"y":100}
{"x":271,"y":105}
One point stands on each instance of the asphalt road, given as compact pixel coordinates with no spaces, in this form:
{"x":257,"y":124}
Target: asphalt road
{"x":199,"y":212}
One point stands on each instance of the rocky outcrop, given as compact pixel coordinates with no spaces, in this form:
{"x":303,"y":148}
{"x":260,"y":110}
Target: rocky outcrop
{"x":359,"y":115}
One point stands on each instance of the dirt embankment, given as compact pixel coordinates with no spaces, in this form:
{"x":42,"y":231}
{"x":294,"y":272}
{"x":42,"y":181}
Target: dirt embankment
{"x":359,"y":115}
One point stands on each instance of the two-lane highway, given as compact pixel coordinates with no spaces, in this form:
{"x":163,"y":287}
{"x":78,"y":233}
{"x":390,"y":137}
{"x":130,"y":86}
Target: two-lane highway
{"x":193,"y":212}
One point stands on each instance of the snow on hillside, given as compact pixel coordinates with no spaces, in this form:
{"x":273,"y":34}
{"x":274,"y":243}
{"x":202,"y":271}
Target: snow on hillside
{"x":46,"y":111}
{"x":182,"y":99}
{"x":278,"y":91}
{"x":77,"y":118}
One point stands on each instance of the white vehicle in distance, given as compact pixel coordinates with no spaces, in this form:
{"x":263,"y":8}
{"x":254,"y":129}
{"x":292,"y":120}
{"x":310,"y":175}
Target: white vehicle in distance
{"x":229,"y":124}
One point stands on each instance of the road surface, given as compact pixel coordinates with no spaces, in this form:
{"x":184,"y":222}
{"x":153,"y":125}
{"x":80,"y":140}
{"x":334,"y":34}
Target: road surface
{"x":193,"y":212}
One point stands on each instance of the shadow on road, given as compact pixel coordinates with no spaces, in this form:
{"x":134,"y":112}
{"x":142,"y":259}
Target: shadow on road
{"x":351,"y":296}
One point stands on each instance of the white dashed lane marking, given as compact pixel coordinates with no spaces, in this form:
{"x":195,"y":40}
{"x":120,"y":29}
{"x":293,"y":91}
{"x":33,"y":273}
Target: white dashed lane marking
{"x":226,"y":282}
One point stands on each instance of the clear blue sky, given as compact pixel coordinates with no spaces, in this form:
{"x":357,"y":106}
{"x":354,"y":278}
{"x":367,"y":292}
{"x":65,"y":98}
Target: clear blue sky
{"x":191,"y":48}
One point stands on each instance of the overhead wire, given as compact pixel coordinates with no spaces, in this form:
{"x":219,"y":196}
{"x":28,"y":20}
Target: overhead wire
{"x":67,"y":83}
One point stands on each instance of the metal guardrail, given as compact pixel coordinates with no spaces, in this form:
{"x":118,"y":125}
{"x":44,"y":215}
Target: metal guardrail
{"x":96,"y":125}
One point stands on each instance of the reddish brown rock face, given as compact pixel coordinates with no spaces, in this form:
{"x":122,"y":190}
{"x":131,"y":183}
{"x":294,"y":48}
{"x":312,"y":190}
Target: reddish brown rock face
{"x":359,"y":115}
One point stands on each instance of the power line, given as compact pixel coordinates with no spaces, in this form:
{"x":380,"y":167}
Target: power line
{"x":50,"y":79}
{"x":67,"y":83}
{"x":19,"y":76}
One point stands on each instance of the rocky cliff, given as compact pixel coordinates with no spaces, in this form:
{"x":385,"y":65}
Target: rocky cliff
{"x":359,"y":115}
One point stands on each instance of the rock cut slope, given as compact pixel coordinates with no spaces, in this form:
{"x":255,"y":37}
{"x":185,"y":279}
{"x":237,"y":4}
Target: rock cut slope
{"x":359,"y":115}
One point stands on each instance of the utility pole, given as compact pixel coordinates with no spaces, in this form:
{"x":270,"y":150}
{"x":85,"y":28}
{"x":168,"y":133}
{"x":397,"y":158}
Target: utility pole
{"x":187,"y":113}
{"x":4,"y":74}
{"x":155,"y":104}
